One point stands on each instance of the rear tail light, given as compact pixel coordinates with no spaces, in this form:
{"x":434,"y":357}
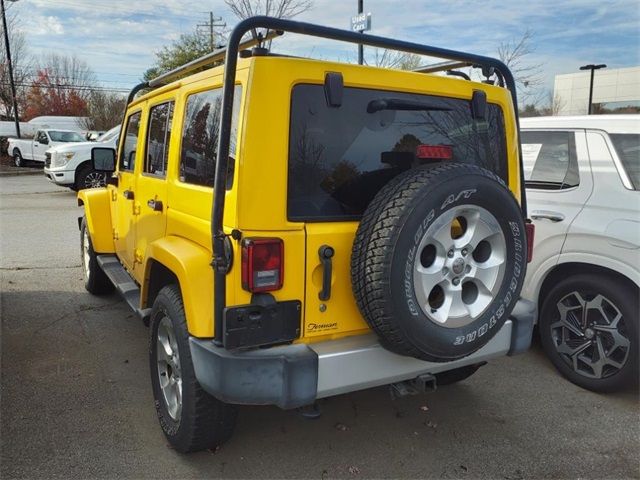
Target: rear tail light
{"x":530,"y":230}
{"x":262,"y":264}
{"x":435,"y":152}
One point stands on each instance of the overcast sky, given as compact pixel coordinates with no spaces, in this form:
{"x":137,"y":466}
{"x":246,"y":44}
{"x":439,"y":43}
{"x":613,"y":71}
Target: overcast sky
{"x":118,"y":38}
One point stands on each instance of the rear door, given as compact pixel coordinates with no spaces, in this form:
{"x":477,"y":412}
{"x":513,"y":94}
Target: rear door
{"x":151,"y":188}
{"x":558,"y":181}
{"x":340,"y":157}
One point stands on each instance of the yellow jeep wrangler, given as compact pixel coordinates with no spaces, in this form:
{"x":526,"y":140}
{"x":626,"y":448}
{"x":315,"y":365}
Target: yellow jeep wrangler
{"x":294,"y":229}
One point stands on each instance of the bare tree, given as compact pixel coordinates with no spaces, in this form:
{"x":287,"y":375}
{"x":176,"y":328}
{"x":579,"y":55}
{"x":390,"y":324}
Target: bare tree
{"x":22,"y":65}
{"x":104,"y":110}
{"x":272,"y":8}
{"x":69,"y":72}
{"x":394,"y":59}
{"x":515,"y":54}
{"x":555,"y":104}
{"x":62,"y":86}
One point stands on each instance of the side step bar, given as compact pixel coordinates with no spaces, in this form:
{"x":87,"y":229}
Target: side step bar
{"x":123,"y":282}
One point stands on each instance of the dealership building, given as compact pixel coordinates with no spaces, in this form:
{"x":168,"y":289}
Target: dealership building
{"x":614,"y":91}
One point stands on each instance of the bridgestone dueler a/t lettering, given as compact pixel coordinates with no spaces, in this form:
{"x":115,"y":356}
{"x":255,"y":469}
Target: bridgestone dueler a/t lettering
{"x":439,"y":260}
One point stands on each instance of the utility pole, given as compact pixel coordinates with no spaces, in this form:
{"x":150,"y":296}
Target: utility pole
{"x":360,"y":46}
{"x":210,"y":25}
{"x":593,"y":68}
{"x":10,"y":68}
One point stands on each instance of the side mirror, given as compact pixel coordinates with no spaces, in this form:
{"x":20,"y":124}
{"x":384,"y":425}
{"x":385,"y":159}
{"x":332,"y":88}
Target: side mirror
{"x":43,"y":140}
{"x":103,"y":159}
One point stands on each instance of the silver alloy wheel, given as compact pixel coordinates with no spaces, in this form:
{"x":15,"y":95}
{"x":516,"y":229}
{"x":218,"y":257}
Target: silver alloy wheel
{"x":94,"y":180}
{"x":169,"y":373}
{"x":459,"y":265}
{"x":86,"y":258}
{"x":590,"y":335}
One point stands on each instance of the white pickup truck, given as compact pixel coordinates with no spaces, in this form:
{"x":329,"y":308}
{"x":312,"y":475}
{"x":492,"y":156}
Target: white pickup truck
{"x":69,"y":165}
{"x":33,"y":149}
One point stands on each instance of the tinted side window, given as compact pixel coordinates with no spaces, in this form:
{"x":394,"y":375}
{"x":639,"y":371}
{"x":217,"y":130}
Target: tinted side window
{"x":128,"y":151}
{"x":200,"y":137}
{"x":158,"y":139}
{"x":627,"y":147}
{"x":339,"y":158}
{"x":550,"y":160}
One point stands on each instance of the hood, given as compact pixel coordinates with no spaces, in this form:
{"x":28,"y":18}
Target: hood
{"x":80,"y":147}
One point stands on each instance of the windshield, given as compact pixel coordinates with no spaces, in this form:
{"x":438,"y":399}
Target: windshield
{"x":628,"y":149}
{"x":110,"y":135}
{"x":339,"y":158}
{"x":57,"y":136}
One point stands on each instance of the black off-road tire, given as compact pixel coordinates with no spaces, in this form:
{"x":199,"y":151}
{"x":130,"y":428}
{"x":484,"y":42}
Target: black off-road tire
{"x":95,"y":280}
{"x":83,"y":176}
{"x":384,"y":253}
{"x":204,"y":422}
{"x":618,"y":296}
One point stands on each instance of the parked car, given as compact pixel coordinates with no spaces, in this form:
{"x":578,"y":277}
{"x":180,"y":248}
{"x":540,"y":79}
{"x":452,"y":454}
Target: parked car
{"x":34,"y":149}
{"x":69,"y":165}
{"x":8,"y":130}
{"x":94,"y":135}
{"x":365,"y":227}
{"x":583,"y":176}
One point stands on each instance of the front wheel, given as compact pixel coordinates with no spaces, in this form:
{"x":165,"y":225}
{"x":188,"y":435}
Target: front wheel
{"x":87,"y":177}
{"x":589,"y":331}
{"x":18,"y":161}
{"x":95,"y":280}
{"x":190,"y":418}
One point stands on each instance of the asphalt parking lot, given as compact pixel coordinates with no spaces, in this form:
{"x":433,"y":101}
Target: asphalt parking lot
{"x":76,"y":400}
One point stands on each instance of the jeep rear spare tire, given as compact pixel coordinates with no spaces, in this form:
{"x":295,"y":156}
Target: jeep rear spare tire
{"x":438,"y":261}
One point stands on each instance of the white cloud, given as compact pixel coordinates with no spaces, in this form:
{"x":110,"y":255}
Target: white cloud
{"x":42,"y":25}
{"x":119,"y":37}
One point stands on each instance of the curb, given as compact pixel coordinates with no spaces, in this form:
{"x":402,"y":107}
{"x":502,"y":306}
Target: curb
{"x":13,"y":173}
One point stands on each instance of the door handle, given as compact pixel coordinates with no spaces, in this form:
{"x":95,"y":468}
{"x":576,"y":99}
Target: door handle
{"x":155,"y":205}
{"x":547,"y":215}
{"x":325,"y":252}
{"x":128,"y":194}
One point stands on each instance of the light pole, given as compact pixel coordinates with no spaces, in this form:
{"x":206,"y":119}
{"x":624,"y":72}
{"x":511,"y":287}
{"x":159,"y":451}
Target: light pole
{"x":593,"y":68}
{"x":10,"y":68}
{"x":360,"y":47}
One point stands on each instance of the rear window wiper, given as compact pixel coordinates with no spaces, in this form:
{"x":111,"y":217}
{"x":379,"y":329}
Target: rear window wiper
{"x":399,"y":104}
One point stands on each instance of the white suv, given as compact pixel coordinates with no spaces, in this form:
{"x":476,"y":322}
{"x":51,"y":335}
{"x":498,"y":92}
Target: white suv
{"x":70,"y":165}
{"x":582,"y":176}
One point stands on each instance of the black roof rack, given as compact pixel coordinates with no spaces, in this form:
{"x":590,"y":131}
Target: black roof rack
{"x":210,"y":58}
{"x":442,"y":67}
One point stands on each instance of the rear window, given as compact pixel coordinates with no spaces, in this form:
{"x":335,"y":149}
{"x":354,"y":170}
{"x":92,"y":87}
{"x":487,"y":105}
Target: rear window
{"x":200,"y":137}
{"x":627,"y":147}
{"x":339,"y":158}
{"x":65,"y":136}
{"x":550,"y":159}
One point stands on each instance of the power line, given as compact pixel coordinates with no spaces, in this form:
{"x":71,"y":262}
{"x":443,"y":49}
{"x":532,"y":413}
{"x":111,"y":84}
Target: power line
{"x":211,"y":24}
{"x":62,"y":86}
{"x":72,"y":79}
